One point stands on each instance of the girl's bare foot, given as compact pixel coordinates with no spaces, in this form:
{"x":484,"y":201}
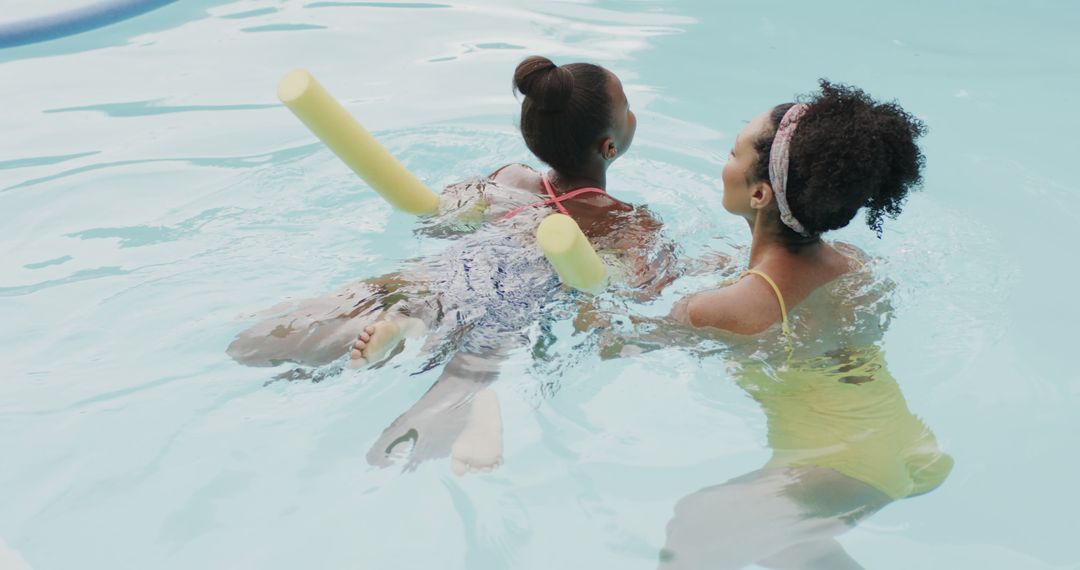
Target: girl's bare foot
{"x":380,"y":338}
{"x":480,"y":445}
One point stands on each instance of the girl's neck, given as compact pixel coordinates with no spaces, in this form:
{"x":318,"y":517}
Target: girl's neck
{"x":563,"y":182}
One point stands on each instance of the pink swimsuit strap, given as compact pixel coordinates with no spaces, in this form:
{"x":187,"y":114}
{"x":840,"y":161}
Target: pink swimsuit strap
{"x":556,"y":200}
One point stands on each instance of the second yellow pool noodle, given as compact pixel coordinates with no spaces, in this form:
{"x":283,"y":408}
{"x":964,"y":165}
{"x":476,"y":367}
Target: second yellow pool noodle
{"x":353,"y":144}
{"x":570,"y":253}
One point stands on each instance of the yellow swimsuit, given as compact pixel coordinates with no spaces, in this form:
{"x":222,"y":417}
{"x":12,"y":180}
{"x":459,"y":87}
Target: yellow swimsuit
{"x":844,"y":411}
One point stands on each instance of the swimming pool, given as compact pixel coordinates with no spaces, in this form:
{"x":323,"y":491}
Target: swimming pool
{"x":154,"y":194}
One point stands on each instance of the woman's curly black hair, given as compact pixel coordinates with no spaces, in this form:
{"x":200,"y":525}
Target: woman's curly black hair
{"x":848,"y":152}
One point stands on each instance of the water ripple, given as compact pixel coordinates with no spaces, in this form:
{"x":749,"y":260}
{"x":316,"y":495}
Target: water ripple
{"x":84,"y":275}
{"x":44,"y":160}
{"x":49,"y":262}
{"x":150,"y":107}
{"x":275,"y":157}
{"x":283,"y":28}
{"x":413,"y":5}
{"x":138,"y":236}
{"x":249,"y":14}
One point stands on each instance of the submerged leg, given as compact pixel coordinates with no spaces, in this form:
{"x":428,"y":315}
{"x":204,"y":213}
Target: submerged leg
{"x":780,"y":518}
{"x":445,"y":414}
{"x":317,"y":331}
{"x":825,"y":554}
{"x":480,"y":445}
{"x":379,"y":338}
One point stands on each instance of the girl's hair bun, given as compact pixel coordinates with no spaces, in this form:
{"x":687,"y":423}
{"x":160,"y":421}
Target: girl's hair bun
{"x":548,"y":85}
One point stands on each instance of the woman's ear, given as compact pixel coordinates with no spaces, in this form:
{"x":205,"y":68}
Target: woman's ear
{"x":761,"y":195}
{"x":608,"y":149}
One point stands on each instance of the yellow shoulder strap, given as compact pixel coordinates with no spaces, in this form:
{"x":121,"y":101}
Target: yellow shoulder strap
{"x":779,"y":297}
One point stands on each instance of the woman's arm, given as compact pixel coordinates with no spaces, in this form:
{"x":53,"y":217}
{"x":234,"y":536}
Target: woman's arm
{"x":623,"y":335}
{"x":727,"y":309}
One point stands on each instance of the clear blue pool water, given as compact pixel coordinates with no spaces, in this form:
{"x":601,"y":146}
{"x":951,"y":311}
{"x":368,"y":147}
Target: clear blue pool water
{"x":153,"y":193}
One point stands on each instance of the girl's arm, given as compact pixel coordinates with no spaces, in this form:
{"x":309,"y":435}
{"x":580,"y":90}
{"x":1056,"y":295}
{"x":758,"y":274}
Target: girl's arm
{"x":465,"y":206}
{"x":649,"y":261}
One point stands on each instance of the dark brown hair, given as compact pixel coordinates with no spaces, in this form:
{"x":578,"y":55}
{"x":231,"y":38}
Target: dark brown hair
{"x":565,"y":111}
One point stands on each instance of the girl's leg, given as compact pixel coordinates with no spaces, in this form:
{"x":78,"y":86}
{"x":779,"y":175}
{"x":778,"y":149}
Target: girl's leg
{"x":456,"y":416}
{"x":480,"y":445}
{"x":408,"y":319}
{"x":320,"y":330}
{"x":379,"y":338}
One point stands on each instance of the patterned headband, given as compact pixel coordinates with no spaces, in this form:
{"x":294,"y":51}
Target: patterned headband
{"x":778,"y":164}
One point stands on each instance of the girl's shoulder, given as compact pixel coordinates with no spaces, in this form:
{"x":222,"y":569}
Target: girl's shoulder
{"x":516,"y":175}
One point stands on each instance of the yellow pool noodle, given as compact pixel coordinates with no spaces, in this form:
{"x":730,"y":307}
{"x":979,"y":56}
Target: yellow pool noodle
{"x":570,"y":253}
{"x":353,"y":144}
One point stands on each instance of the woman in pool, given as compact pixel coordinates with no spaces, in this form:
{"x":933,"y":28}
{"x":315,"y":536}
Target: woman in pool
{"x":476,"y":300}
{"x":802,"y":326}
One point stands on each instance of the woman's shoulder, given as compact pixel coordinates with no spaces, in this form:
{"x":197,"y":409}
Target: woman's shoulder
{"x":758,"y":299}
{"x":745,"y":306}
{"x":857,"y":257}
{"x":847,"y":294}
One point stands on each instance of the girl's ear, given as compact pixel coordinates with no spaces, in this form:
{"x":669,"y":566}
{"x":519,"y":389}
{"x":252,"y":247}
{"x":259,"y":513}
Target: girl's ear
{"x":607,"y":148}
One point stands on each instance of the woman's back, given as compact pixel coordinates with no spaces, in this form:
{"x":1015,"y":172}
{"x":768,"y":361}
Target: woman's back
{"x":828,"y":396}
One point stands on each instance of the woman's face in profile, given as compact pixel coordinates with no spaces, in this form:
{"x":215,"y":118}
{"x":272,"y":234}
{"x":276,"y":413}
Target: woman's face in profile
{"x":741,"y":160}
